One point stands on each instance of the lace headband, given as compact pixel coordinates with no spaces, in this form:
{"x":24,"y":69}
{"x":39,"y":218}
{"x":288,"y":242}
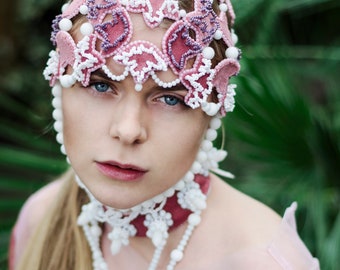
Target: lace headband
{"x":106,"y":33}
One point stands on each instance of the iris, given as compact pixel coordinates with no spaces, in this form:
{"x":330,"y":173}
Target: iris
{"x":101,"y":87}
{"x":171,"y":100}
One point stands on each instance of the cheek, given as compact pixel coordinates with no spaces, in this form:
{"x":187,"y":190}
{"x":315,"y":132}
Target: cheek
{"x":79,"y":123}
{"x":183,"y":142}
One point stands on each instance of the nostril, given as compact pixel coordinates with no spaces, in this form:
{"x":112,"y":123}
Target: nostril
{"x":129,"y":133}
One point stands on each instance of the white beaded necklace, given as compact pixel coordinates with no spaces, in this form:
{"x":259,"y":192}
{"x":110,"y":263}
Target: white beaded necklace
{"x":157,"y":221}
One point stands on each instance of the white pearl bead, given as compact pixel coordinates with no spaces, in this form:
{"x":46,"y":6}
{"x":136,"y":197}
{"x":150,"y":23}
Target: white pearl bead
{"x":207,"y":145}
{"x":189,"y":177}
{"x":138,"y":87}
{"x":58,"y":126}
{"x":215,"y":123}
{"x":200,"y":204}
{"x":57,"y":114}
{"x":56,"y":103}
{"x":218,"y":34}
{"x":194,"y":219}
{"x":208,"y":53}
{"x":223,"y":7}
{"x":218,"y":156}
{"x":210,"y":108}
{"x":64,"y":7}
{"x":63,"y":150}
{"x":232,"y":52}
{"x":176,"y":255}
{"x":65,"y":24}
{"x":157,"y":238}
{"x":60,"y":138}
{"x":180,"y":185}
{"x":182,"y":13}
{"x":67,"y":81}
{"x":196,"y":167}
{"x":202,"y":156}
{"x":83,"y":9}
{"x":86,"y":29}
{"x":56,"y":90}
{"x":211,"y":134}
{"x":234,"y":38}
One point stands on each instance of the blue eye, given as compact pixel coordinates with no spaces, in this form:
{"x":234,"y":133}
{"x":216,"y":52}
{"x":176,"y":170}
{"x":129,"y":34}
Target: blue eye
{"x":101,"y":87}
{"x":171,"y":100}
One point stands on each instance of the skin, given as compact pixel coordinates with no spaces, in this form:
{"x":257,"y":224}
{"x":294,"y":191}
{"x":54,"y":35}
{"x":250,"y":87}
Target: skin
{"x":152,"y":129}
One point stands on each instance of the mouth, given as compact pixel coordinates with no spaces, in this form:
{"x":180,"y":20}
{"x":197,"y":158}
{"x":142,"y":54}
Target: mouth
{"x":121,"y":172}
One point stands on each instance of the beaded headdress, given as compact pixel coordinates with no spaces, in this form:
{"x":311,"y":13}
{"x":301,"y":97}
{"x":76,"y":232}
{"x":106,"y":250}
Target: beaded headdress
{"x":106,"y":34}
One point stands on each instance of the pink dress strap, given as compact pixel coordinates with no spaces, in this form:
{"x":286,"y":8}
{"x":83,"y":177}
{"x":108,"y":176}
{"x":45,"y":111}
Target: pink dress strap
{"x":288,"y":249}
{"x":11,"y":250}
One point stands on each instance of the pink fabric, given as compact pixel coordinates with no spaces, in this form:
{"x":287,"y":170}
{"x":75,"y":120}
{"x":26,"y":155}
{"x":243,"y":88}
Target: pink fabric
{"x":11,"y":250}
{"x":285,"y":251}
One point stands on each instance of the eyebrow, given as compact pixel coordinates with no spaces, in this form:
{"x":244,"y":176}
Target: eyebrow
{"x":100,"y":73}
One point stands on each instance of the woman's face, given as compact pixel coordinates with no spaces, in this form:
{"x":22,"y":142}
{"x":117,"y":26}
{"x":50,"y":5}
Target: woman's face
{"x":129,"y":146}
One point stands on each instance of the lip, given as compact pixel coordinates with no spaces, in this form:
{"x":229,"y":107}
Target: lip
{"x":119,"y":171}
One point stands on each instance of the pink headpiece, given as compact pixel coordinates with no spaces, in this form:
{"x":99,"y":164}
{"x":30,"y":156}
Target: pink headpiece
{"x":107,"y":32}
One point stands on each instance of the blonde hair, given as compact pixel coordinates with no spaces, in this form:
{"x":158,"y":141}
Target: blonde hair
{"x":58,"y":242}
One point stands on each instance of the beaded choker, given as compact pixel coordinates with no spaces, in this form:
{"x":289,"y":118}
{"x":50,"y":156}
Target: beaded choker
{"x":153,"y":218}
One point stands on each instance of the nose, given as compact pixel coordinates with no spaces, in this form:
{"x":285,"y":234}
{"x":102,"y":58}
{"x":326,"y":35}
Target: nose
{"x":127,"y":125}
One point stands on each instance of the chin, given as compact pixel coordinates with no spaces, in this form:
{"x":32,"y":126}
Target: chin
{"x":120,"y":201}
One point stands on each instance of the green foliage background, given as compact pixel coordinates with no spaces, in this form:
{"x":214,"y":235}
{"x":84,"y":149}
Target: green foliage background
{"x":283,"y":137}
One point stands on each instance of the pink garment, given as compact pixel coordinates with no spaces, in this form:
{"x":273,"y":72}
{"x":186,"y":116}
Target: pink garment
{"x":286,"y":251}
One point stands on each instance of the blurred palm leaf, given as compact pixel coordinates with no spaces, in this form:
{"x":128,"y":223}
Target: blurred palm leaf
{"x":291,"y":152}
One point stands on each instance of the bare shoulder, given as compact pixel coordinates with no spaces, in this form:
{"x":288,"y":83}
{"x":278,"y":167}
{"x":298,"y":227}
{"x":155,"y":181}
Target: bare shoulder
{"x":240,"y":230}
{"x":36,"y":205}
{"x":249,"y":221}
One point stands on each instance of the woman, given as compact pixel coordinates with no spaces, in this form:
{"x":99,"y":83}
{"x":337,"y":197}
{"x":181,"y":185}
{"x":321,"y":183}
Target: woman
{"x":139,"y":89}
